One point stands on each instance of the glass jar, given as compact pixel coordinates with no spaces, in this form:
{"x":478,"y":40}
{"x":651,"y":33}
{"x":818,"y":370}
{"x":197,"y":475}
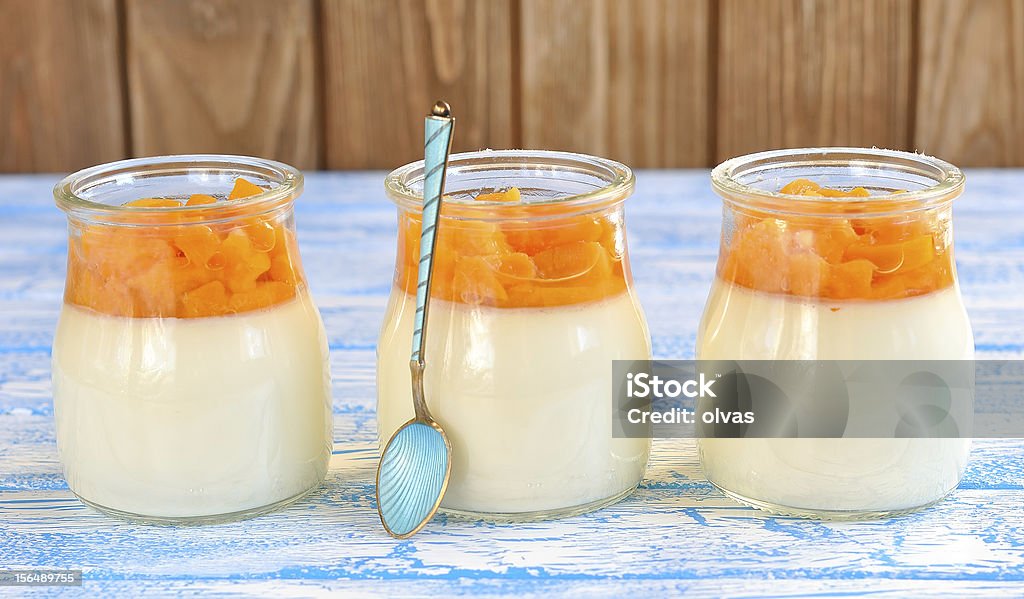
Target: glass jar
{"x":860,"y":268}
{"x":532,"y":298}
{"x":190,"y":375}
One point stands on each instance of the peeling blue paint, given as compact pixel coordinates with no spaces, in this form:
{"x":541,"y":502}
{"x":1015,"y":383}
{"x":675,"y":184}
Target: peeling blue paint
{"x":677,"y":533}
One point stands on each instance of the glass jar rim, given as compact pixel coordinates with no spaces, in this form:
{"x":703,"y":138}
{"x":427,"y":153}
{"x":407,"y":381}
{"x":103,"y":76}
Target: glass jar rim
{"x":618,"y":182}
{"x":948,"y":180}
{"x":68,"y":197}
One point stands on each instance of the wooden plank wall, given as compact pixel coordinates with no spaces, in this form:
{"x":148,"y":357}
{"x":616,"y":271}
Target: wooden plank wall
{"x":227,"y":76}
{"x":61,"y":86}
{"x":840,"y":73}
{"x":342,"y":84}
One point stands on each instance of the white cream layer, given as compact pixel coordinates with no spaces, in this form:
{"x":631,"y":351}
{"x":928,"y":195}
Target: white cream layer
{"x":524,"y":394}
{"x":167,"y":417}
{"x":835,"y":474}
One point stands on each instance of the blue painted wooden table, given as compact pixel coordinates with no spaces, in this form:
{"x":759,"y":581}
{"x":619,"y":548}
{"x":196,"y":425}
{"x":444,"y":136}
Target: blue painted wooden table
{"x":676,"y":533}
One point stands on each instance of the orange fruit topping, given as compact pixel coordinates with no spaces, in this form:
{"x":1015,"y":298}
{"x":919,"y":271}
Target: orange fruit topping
{"x":154,"y":203}
{"x":171,"y":267}
{"x":832,"y":257}
{"x":244,"y":189}
{"x":559,"y":260}
{"x":200,"y":199}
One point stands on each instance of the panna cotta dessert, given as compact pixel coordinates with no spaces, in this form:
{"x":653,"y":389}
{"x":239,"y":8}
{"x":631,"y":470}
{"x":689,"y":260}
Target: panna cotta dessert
{"x":531,"y":302}
{"x":189,"y":371}
{"x":859,"y":269}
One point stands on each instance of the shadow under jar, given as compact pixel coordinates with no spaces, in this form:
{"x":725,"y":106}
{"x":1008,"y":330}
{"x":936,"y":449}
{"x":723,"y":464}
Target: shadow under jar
{"x":532,"y":298}
{"x":803,"y":276}
{"x":190,"y":374}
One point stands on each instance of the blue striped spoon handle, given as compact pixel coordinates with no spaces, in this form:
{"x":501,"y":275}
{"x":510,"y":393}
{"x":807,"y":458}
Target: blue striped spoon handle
{"x":438,"y":128}
{"x":415,"y":465}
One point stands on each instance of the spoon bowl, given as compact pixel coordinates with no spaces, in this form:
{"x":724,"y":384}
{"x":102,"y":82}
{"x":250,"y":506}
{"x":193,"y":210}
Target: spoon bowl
{"x":413,"y":475}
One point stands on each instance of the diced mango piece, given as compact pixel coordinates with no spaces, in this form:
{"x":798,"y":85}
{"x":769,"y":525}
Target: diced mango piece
{"x":517,"y":265}
{"x":572,"y":260}
{"x":154,"y":203}
{"x":473,"y":238}
{"x":281,"y":269}
{"x":200,"y":199}
{"x":851,"y":280}
{"x":883,"y":230}
{"x":509,"y":195}
{"x":198,"y":242}
{"x":531,"y":238}
{"x":891,"y":258}
{"x":211,"y":298}
{"x":156,"y":289}
{"x":888,"y":288}
{"x":190,"y":276}
{"x":244,"y":264}
{"x":244,"y":189}
{"x":806,"y":274}
{"x":831,"y":241}
{"x":260,"y":296}
{"x":856,"y":192}
{"x":475,"y":282}
{"x":758,"y":258}
{"x":262,"y":234}
{"x":800,"y":187}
